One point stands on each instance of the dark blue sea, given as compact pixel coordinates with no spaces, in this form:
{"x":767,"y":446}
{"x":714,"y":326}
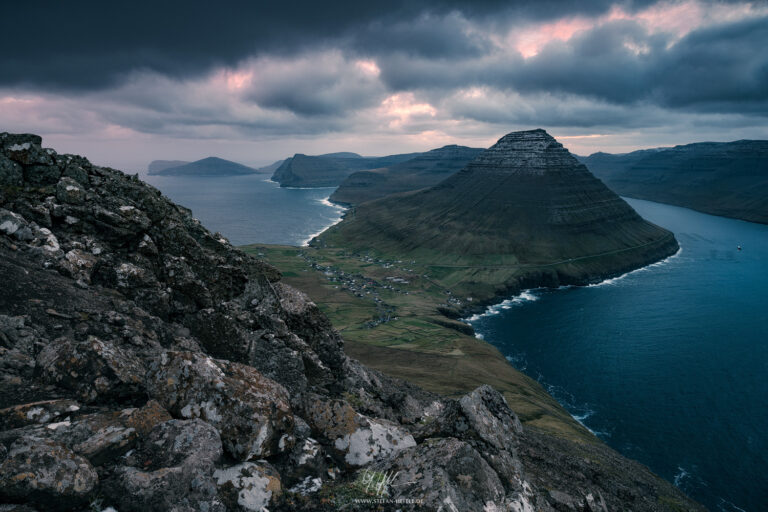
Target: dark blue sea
{"x":249,"y":209}
{"x":668,"y":364}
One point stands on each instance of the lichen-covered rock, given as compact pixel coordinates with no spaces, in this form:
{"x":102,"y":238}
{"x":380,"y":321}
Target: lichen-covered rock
{"x":11,"y":174}
{"x":70,"y":191}
{"x":248,"y":487}
{"x":251,"y":411}
{"x":491,"y":418}
{"x":46,"y":473}
{"x":358,"y":440}
{"x":494,"y":431}
{"x":446,"y":474}
{"x":36,"y":413}
{"x":171,"y":471}
{"x":93,"y":368}
{"x":100,"y":437}
{"x":13,"y":224}
{"x":144,"y":419}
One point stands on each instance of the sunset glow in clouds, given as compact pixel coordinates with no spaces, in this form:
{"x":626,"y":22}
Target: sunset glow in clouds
{"x":385,"y":79}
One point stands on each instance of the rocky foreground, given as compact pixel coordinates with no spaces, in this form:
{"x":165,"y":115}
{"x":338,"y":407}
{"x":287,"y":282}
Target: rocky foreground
{"x":148,"y":365}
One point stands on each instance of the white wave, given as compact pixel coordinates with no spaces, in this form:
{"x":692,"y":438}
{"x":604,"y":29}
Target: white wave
{"x":522,"y":298}
{"x":337,"y":218}
{"x":310,"y":188}
{"x":324,"y":201}
{"x":583,"y":416}
{"x":681,"y":475}
{"x":727,"y":506}
{"x":519,"y":362}
{"x":614,"y":280}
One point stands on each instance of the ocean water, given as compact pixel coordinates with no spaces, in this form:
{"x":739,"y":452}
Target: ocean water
{"x":252,"y":209}
{"x":667,"y":364}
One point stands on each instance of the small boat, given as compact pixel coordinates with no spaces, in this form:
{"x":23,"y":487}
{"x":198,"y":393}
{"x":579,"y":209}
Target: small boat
{"x":738,"y":247}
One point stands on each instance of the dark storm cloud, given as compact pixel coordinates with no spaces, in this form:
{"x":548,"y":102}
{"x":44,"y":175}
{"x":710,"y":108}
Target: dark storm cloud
{"x":90,"y":44}
{"x":718,"y":68}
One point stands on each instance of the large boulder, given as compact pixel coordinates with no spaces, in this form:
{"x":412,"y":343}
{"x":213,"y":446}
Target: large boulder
{"x":248,"y":487}
{"x":42,"y":412}
{"x":356,"y":439}
{"x":494,"y":431}
{"x":445,"y":474}
{"x":172,"y":470}
{"x":94,"y":368}
{"x":251,"y":411}
{"x":46,"y":473}
{"x":70,"y":191}
{"x":11,"y":174}
{"x":100,"y":437}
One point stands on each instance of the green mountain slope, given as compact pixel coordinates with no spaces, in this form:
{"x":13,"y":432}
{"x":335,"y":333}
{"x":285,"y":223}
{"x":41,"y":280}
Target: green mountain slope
{"x":524,"y":213}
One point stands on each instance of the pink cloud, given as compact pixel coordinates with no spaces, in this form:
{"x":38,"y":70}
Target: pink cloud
{"x":676,"y":18}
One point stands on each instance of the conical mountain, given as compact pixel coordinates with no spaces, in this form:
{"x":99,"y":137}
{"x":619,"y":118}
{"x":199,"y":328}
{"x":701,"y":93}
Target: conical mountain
{"x":526,"y":205}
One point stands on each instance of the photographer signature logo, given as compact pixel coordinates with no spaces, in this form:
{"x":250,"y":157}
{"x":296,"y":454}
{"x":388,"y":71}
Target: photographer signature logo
{"x":377,"y":483}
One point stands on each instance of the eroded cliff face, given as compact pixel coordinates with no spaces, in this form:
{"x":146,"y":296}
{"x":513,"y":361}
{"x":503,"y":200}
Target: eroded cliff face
{"x":148,"y":365}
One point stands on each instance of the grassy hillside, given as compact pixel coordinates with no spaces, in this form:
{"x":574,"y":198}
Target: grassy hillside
{"x":389,"y":315}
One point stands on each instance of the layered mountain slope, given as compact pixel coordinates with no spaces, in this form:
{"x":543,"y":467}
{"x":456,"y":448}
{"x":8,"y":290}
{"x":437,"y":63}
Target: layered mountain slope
{"x":329,"y":170}
{"x":148,"y":365}
{"x":425,"y":170}
{"x":211,"y":167}
{"x":525,"y":207}
{"x":721,"y":178}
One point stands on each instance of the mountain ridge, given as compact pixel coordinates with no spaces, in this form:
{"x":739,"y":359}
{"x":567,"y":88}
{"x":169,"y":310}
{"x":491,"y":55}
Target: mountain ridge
{"x":328,"y":171}
{"x":720,"y":178}
{"x":425,"y":170}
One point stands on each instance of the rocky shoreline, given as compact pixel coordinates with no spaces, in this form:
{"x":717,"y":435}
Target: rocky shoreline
{"x":146,"y":364}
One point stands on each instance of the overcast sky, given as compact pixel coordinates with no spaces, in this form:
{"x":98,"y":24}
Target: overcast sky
{"x":256,"y":82}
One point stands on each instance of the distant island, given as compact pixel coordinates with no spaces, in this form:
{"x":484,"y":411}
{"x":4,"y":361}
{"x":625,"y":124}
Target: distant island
{"x":155,"y":166}
{"x":425,"y":170}
{"x":329,"y":170}
{"x":729,"y":179}
{"x":211,"y":166}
